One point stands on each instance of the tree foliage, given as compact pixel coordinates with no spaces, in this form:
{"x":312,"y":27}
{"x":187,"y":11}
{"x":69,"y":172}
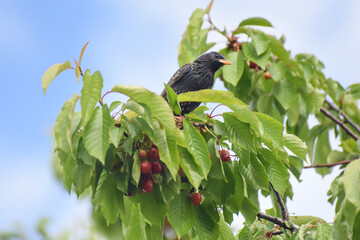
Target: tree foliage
{"x":270,"y":97}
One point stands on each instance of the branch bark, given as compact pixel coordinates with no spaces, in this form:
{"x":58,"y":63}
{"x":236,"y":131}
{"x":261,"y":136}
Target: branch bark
{"x":284,"y":213}
{"x":346,"y":117}
{"x":282,"y":223}
{"x":340,"y":123}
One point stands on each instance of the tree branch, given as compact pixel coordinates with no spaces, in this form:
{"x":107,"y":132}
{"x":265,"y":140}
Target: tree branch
{"x":347,"y":119}
{"x":282,"y":223}
{"x":340,"y":123}
{"x":279,"y":199}
{"x":328,"y":165}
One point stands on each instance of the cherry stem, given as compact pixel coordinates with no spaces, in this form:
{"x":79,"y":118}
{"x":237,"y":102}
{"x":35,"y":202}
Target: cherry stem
{"x":212,"y":111}
{"x":102,"y":98}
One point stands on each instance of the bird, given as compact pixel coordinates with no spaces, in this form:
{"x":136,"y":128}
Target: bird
{"x":195,"y":76}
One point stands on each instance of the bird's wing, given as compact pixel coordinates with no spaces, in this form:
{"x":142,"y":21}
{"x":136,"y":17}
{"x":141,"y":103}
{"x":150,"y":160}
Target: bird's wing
{"x":177,"y":76}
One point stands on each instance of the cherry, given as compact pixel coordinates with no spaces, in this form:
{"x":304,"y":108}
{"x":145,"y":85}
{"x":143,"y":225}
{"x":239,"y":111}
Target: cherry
{"x":267,"y":75}
{"x":153,"y":154}
{"x":253,"y":65}
{"x":196,"y":198}
{"x":156,"y":168}
{"x":145,"y":167}
{"x":147,"y":186}
{"x":143,"y":154}
{"x":180,"y":172}
{"x":224,"y":155}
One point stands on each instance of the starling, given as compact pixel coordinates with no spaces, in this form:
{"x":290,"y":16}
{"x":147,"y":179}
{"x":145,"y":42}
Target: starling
{"x":196,"y":76}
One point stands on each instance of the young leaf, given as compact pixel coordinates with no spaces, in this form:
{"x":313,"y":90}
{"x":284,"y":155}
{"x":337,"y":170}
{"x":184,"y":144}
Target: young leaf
{"x":260,"y":42}
{"x":181,"y":214}
{"x":96,"y":134}
{"x":277,"y":70}
{"x":232,"y":73}
{"x":256,"y":21}
{"x":90,"y":94}
{"x":285,"y":92}
{"x":251,"y":54}
{"x":52,"y":72}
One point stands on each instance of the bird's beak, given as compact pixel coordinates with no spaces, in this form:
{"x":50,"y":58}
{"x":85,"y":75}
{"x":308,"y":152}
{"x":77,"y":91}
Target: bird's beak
{"x":225,"y":62}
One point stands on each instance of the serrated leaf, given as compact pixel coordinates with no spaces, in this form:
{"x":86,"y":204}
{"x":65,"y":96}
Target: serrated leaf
{"x":322,"y":150}
{"x":82,"y":177}
{"x":301,"y":220}
{"x":52,"y":72}
{"x":324,"y":231}
{"x":296,"y":145}
{"x":152,"y":209}
{"x":90,"y":94}
{"x":136,"y":167}
{"x":256,"y":21}
{"x":157,"y":104}
{"x":277,"y":48}
{"x":108,"y":198}
{"x":133,"y":222}
{"x":232,"y":73}
{"x":96,"y":133}
{"x":219,"y":189}
{"x":206,"y":221}
{"x":115,"y":135}
{"x":191,"y":170}
{"x":114,"y":105}
{"x":296,"y":166}
{"x":62,"y":127}
{"x":249,"y":210}
{"x":225,"y":232}
{"x":260,"y":42}
{"x":181,"y":214}
{"x":250,"y":53}
{"x":285,"y":92}
{"x":351,"y":182}
{"x":197,"y":147}
{"x":208,"y":95}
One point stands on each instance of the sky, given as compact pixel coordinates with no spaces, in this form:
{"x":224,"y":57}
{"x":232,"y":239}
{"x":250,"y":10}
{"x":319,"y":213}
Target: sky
{"x":132,"y":42}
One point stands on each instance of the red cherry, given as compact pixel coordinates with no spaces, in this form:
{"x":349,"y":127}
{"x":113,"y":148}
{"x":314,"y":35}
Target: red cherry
{"x":153,"y":145}
{"x":210,"y":156}
{"x":147,"y":186}
{"x":224,"y":155}
{"x":145,"y":167}
{"x":143,"y":154}
{"x":156,"y":168}
{"x":196,"y":198}
{"x":153,"y":154}
{"x":253,"y":65}
{"x":267,"y":75}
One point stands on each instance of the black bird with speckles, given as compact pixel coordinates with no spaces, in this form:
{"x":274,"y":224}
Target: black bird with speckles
{"x":196,"y":76}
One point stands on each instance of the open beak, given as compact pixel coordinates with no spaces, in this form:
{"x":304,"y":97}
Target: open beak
{"x":225,"y":62}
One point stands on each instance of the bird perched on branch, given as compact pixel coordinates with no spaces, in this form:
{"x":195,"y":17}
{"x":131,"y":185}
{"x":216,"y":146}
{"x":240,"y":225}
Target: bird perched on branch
{"x":196,"y":76}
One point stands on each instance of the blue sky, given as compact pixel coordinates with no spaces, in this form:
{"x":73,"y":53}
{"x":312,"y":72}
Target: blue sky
{"x":131,"y":42}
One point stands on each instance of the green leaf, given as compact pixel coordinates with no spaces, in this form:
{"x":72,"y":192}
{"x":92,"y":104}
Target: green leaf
{"x":296,"y":166}
{"x":293,"y":113}
{"x":278,"y":173}
{"x":313,"y":98}
{"x":232,"y":73}
{"x":260,"y":42}
{"x":197,"y":147}
{"x":90,"y":94}
{"x":351,"y":181}
{"x":63,"y":124}
{"x":172,"y":97}
{"x":220,"y":189}
{"x":82,"y":177}
{"x":354,"y":90}
{"x":84,"y":155}
{"x":273,"y":131}
{"x":356,"y":226}
{"x":157,"y":104}
{"x":256,"y":21}
{"x":206,"y":221}
{"x":324,"y":231}
{"x":208,"y":95}
{"x":52,"y":72}
{"x":114,"y":105}
{"x":136,"y":167}
{"x":239,"y":132}
{"x":192,"y":170}
{"x":285,"y":92}
{"x":225,"y":232}
{"x":108,"y":198}
{"x":115,"y":135}
{"x":250,"y":53}
{"x":181,"y":214}
{"x":249,"y":210}
{"x":277,"y":70}
{"x":153,"y":210}
{"x":301,"y":220}
{"x":277,"y":48}
{"x":296,"y":145}
{"x":133,"y":222}
{"x":322,"y":150}
{"x":96,"y":134}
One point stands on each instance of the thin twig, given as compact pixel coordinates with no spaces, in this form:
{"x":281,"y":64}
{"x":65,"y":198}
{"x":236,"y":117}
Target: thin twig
{"x":282,"y":223}
{"x":328,"y":165}
{"x":212,"y":111}
{"x":340,"y":123}
{"x":346,"y":117}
